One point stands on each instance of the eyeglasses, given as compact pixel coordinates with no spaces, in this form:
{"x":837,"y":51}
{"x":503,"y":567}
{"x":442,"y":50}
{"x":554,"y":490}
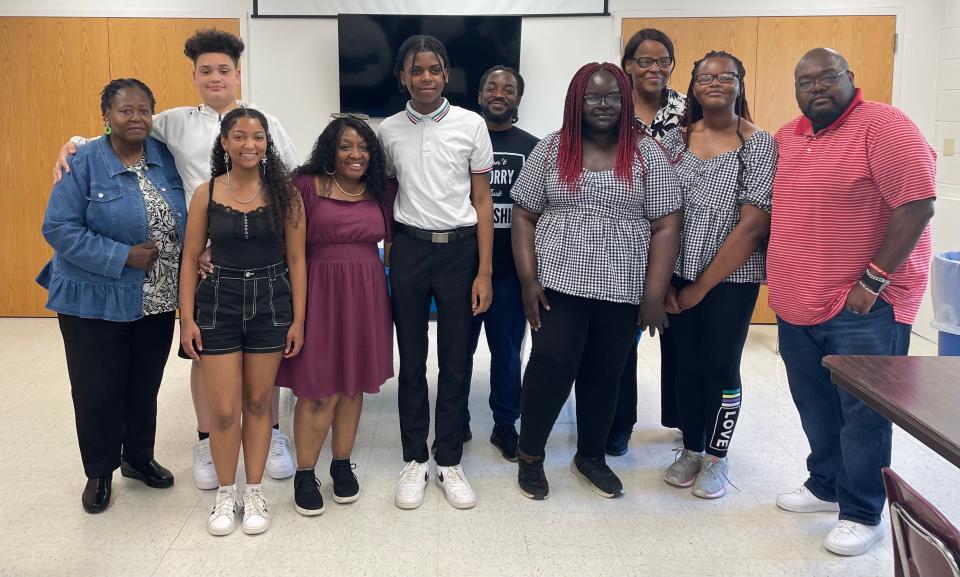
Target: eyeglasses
{"x":647,"y":62}
{"x":722,"y":78}
{"x":612,"y":99}
{"x":353,"y":115}
{"x":827,"y":80}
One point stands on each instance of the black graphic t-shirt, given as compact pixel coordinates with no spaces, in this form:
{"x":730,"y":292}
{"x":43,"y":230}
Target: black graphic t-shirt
{"x":510,"y":151}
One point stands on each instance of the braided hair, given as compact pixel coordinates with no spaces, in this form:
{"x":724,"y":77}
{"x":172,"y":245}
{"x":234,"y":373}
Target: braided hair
{"x":282,"y":206}
{"x":570,"y":154}
{"x":115,"y":86}
{"x":694,"y":110}
{"x":415,"y":45}
{"x":323,"y":158}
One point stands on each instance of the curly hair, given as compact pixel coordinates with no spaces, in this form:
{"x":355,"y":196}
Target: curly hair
{"x":694,"y":110}
{"x":210,"y":40}
{"x":323,"y":157}
{"x":282,"y":199}
{"x":115,"y":86}
{"x":570,"y":153}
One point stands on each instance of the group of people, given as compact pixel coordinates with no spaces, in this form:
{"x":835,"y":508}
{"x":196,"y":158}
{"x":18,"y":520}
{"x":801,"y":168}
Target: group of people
{"x":647,"y":210}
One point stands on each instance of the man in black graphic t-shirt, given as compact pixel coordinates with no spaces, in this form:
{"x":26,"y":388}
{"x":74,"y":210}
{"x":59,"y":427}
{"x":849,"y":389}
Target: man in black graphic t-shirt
{"x":501,"y":88}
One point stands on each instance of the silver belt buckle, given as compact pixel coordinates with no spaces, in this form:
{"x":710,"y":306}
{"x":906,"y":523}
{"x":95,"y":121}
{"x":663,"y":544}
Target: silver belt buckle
{"x":440,"y":237}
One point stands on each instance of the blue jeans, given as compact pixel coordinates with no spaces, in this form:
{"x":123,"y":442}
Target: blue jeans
{"x":849,"y":442}
{"x":505,"y":324}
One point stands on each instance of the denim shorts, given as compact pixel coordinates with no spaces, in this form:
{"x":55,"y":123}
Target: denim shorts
{"x":244,"y":310}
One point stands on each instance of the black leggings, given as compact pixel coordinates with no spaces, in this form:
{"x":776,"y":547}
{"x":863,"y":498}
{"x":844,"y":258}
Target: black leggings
{"x":708,"y":343}
{"x":580,"y":339}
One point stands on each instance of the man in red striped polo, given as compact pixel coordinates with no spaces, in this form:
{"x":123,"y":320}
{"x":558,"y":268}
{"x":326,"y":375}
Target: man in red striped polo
{"x":847,"y":266}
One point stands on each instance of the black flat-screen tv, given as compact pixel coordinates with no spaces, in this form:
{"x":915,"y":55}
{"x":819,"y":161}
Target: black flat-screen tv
{"x":368,"y":47}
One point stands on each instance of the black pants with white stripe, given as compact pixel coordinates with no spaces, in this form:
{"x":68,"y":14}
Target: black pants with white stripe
{"x":708,"y":343}
{"x":580,"y":339}
{"x":419,"y":270}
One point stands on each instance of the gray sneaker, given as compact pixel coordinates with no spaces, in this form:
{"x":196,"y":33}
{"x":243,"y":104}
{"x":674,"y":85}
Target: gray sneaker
{"x":713,"y":477}
{"x":684,"y":469}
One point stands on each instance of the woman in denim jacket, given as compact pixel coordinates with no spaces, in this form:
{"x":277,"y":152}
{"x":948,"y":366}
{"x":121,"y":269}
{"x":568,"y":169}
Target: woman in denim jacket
{"x":116,"y":224}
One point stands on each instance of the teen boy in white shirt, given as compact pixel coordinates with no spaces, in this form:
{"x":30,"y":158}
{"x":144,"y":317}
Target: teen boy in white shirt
{"x":442,"y":157}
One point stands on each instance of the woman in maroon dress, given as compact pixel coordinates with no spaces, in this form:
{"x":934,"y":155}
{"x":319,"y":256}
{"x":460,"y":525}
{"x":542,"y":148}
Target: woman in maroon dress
{"x":348,"y":335}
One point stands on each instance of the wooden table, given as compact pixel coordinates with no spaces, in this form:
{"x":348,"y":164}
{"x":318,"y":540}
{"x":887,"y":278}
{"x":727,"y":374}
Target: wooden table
{"x":920,"y":394}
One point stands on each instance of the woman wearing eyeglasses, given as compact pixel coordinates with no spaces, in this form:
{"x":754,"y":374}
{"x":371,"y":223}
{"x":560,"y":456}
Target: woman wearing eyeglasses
{"x":595,"y":236}
{"x":725,"y":167}
{"x":648,"y":60}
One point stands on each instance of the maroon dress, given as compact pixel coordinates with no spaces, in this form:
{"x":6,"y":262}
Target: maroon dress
{"x":348,"y":331}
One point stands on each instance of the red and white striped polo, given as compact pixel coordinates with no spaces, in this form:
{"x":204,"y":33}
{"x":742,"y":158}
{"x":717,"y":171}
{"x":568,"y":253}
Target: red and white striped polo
{"x":833,"y":195}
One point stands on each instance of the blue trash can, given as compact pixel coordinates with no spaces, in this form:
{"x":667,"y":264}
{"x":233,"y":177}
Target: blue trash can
{"x":945,"y":290}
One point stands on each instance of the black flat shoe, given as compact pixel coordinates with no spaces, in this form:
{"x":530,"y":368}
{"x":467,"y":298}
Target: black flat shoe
{"x":151,"y":473}
{"x":96,"y":495}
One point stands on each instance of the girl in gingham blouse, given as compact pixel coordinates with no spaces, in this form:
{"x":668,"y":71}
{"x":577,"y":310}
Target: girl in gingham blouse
{"x":725,"y":167}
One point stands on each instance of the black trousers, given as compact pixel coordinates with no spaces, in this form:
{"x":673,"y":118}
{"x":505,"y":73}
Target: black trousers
{"x":582,"y":340}
{"x":419,"y":270}
{"x":115,"y":373}
{"x":708,"y":343}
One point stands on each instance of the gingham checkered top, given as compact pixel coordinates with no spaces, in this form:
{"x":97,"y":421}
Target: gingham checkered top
{"x":594,"y":242}
{"x":712,"y":201}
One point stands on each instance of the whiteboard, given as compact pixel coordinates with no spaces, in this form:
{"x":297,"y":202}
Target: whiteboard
{"x":330,"y":8}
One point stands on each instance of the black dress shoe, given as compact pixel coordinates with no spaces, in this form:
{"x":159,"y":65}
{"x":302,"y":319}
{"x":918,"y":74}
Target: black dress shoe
{"x":96,"y":495}
{"x":151,"y":473}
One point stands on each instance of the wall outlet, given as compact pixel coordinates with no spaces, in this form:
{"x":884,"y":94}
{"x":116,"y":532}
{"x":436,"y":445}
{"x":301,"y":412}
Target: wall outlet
{"x":949,"y":146}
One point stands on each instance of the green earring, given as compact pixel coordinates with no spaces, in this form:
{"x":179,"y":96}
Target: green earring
{"x":106,"y":128}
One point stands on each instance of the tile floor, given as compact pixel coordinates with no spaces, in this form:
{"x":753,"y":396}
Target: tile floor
{"x":654,"y":530}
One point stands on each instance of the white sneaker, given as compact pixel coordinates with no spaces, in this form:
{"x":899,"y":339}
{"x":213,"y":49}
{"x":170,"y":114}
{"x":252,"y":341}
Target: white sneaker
{"x":803,"y":501}
{"x":279,"y":462}
{"x":850,"y":538}
{"x":454,"y":483}
{"x":256,"y":518}
{"x":223,"y":517}
{"x":412,"y":484}
{"x":204,"y":473}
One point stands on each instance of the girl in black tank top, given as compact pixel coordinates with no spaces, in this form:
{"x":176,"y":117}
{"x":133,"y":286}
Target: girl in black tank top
{"x":249,"y":312}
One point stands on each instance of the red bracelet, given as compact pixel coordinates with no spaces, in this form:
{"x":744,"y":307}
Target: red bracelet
{"x":878,"y":270}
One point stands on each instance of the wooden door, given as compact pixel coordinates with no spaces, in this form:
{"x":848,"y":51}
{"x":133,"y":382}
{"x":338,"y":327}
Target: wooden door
{"x":770,"y":48}
{"x":56,"y":68}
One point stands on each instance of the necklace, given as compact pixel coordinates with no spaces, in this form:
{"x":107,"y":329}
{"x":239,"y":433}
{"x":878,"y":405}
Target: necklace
{"x":350,"y":194}
{"x":140,"y":158}
{"x":249,"y":200}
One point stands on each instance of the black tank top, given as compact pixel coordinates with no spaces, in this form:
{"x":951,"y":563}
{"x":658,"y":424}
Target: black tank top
{"x":242,"y":240}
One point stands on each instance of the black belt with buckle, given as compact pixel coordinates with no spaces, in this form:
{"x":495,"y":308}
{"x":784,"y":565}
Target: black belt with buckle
{"x":437,"y":236}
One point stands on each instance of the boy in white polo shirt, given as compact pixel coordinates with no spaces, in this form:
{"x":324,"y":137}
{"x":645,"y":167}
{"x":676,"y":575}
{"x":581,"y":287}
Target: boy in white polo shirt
{"x":442,"y":157}
{"x":189,"y":132}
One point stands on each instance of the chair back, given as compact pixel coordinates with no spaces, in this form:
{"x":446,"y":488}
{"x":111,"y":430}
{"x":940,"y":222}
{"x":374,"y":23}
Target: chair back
{"x":925,"y":543}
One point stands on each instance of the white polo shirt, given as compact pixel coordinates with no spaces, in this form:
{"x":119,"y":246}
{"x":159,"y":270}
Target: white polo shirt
{"x":433,"y":156}
{"x":190,"y":131}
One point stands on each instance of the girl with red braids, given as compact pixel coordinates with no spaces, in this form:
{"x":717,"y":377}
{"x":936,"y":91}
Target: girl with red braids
{"x":596,"y":228}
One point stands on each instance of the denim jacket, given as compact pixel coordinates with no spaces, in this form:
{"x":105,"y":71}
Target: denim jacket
{"x":94,"y":216}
